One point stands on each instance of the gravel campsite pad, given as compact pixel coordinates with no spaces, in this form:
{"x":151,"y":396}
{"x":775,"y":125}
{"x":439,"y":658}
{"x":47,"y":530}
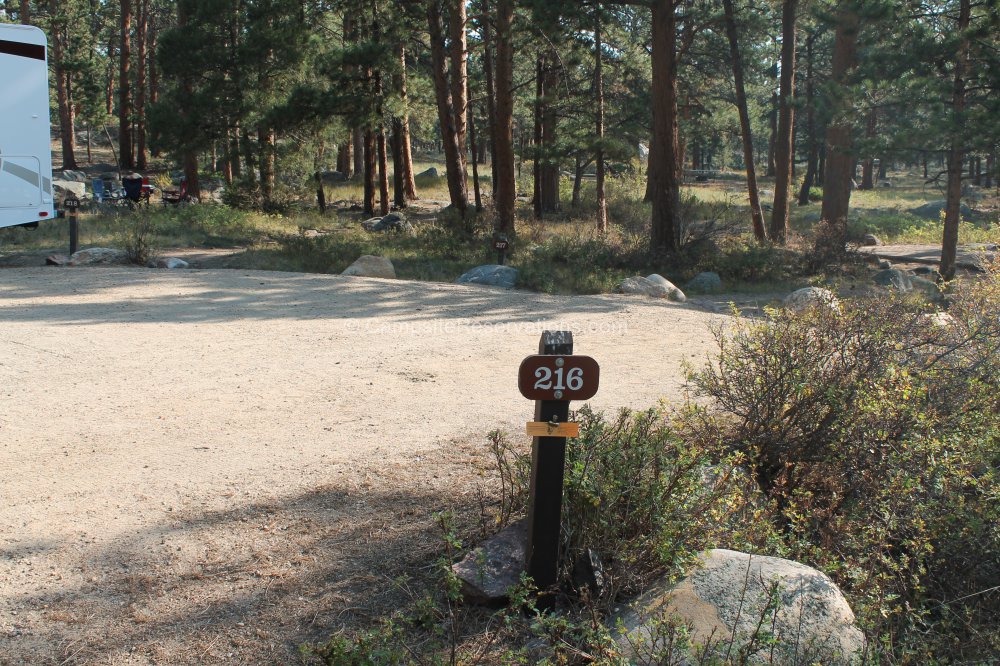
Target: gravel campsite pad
{"x":210,"y":466}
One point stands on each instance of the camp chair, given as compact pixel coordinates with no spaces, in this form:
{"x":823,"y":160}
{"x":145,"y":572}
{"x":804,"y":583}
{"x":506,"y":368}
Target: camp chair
{"x":98,"y":186}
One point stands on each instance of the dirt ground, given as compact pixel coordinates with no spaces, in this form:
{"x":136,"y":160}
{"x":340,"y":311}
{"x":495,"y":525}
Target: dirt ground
{"x":214,"y":466}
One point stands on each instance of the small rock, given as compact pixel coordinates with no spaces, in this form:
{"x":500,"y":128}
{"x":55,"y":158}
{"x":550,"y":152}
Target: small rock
{"x":97,"y":256}
{"x":939,"y":320}
{"x":429,"y":173}
{"x":724,"y":600}
{"x":369,"y":266}
{"x":811,"y":297}
{"x":706,"y":283}
{"x":895,"y":279}
{"x":925,"y":270}
{"x":56,"y":260}
{"x":884,"y":264}
{"x":492,"y":275}
{"x":171,"y":262}
{"x":871,"y":240}
{"x":490,"y":570}
{"x":885,"y":183}
{"x":673,"y":292}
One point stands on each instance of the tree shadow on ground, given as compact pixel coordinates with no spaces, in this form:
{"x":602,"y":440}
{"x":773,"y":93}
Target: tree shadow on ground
{"x":251,"y":583}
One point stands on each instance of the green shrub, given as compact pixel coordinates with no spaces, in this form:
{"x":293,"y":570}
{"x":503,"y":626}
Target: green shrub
{"x":874,"y":430}
{"x":135,"y":233}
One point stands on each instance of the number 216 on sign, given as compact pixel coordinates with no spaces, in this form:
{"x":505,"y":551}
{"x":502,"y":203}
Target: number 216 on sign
{"x":545,"y":377}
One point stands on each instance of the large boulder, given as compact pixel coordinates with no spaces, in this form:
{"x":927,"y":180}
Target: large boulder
{"x":893,"y":278}
{"x":706,"y":283}
{"x":725,"y":602}
{"x":331,"y":177}
{"x":429,"y":173}
{"x":491,"y":275}
{"x":369,"y":266}
{"x":673,"y":292}
{"x":393,"y":222}
{"x":810,"y":297}
{"x":654,"y":286}
{"x":65,"y":188}
{"x":96,"y":256}
{"x":933,"y":210}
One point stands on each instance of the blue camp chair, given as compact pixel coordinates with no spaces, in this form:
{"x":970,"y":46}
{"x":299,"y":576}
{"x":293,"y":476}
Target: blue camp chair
{"x":98,"y":186}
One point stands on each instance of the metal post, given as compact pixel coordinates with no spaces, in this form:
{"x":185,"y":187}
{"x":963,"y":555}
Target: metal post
{"x":548,"y":460}
{"x":74,"y":233}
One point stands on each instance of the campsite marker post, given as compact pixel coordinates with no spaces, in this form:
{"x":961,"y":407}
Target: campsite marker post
{"x":501,"y":245}
{"x":552,"y":379}
{"x":72,"y":204}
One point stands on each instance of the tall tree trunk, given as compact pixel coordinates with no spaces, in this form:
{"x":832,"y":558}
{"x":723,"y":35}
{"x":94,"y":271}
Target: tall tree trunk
{"x":813,"y":145}
{"x":398,"y":195}
{"x":839,"y":160}
{"x":370,"y":167}
{"x":487,"y":31}
{"x":383,"y":172}
{"x":236,"y":154}
{"x":266,"y":140}
{"x":756,"y":214}
{"x":345,"y":157}
{"x":67,"y":130}
{"x":125,"y":87}
{"x":189,"y":156}
{"x":505,"y":194}
{"x":406,"y":151}
{"x":142,"y":56}
{"x":458,"y":55}
{"x":536,"y":167}
{"x":949,"y":246}
{"x":772,"y":141}
{"x":991,"y":167}
{"x":153,"y":38}
{"x":868,"y":164}
{"x":457,"y":185}
{"x":24,"y":15}
{"x":784,"y":153}
{"x":549,"y":163}
{"x":473,"y":149}
{"x":227,"y":149}
{"x":664,"y":165}
{"x":109,"y":87}
{"x":358,"y":139}
{"x":602,"y":199}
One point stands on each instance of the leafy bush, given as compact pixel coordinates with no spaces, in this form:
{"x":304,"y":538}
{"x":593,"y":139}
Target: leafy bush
{"x":873,"y":428}
{"x":135,"y":233}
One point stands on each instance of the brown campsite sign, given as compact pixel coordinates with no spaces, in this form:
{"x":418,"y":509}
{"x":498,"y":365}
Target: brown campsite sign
{"x":545,"y":377}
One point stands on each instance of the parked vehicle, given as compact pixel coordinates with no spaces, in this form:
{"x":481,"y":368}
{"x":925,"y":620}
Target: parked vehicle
{"x":25,"y":146}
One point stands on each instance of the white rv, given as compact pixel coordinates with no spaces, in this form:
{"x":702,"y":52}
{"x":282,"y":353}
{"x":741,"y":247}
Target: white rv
{"x":25,"y":149}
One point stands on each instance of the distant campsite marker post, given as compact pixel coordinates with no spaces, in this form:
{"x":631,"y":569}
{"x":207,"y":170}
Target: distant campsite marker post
{"x":501,"y":245}
{"x":551,"y":379}
{"x":72,"y":204}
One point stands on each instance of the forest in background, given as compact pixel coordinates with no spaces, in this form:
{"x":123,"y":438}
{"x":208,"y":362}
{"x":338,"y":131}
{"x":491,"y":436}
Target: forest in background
{"x":275,"y":92}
